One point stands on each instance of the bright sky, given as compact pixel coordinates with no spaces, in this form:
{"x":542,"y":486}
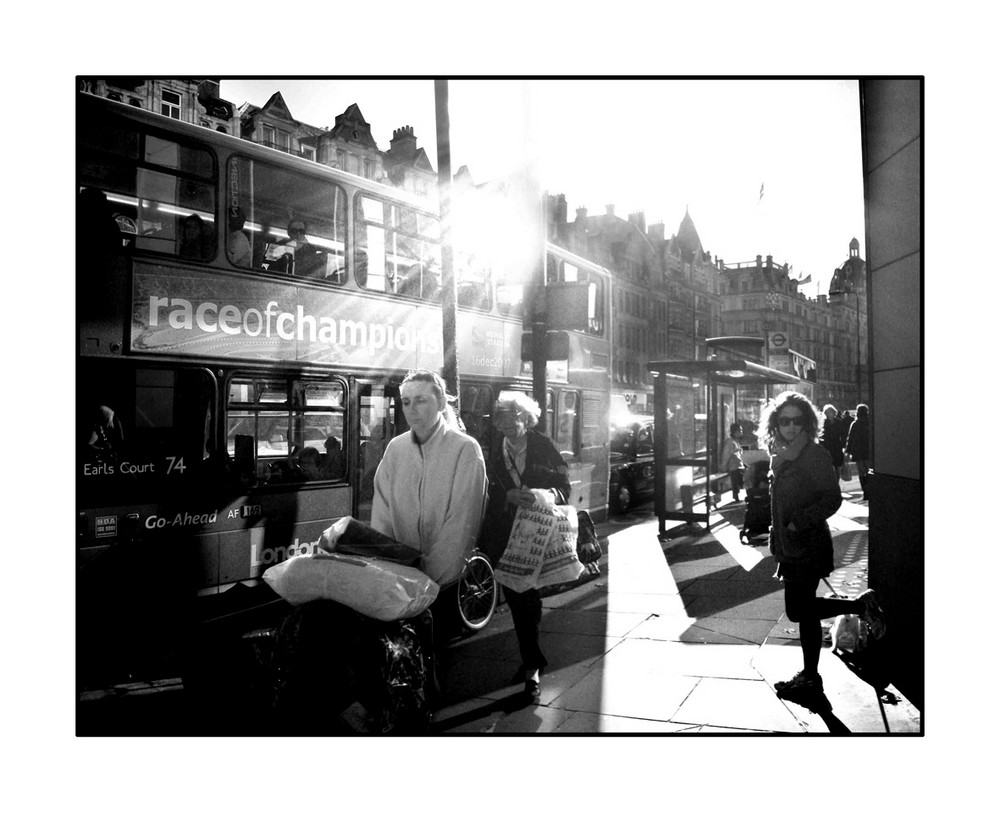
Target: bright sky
{"x":655,"y":145}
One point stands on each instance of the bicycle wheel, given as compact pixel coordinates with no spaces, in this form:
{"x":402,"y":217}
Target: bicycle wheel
{"x":476,"y":593}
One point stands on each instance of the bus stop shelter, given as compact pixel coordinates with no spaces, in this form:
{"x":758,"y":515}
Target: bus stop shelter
{"x":694,"y":404}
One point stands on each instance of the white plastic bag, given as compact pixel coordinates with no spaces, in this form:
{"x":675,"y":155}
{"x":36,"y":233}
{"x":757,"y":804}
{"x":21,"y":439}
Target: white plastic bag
{"x":848,"y":633}
{"x":376,"y":588}
{"x":560,"y":563}
{"x":542,"y":547}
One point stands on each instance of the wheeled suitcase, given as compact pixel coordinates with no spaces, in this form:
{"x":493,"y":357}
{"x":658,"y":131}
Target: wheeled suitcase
{"x":757,"y":520}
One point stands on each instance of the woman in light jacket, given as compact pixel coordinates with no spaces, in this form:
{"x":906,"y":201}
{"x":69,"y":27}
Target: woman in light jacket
{"x":523,"y":461}
{"x":431,"y":483}
{"x":805,"y":491}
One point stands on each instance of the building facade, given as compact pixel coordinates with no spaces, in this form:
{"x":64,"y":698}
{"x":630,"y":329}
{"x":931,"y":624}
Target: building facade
{"x":195,"y":101}
{"x":760,"y":298}
{"x":665,"y":301}
{"x":347,"y":145}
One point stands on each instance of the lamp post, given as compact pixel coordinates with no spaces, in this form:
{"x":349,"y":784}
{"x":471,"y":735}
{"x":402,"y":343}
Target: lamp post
{"x":449,"y":311}
{"x":857,"y":327}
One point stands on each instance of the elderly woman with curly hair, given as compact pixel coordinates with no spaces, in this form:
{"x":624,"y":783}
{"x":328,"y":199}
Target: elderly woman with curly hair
{"x":521,"y":464}
{"x":805,"y":491}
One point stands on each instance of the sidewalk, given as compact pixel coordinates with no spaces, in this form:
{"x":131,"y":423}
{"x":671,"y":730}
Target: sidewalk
{"x":681,"y":635}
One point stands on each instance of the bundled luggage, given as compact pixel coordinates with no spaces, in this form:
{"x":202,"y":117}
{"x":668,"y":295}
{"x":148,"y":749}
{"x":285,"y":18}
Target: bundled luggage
{"x":355,"y":655}
{"x":335,"y":671}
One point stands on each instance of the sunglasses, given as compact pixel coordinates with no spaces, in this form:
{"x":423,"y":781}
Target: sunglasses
{"x":798,"y":420}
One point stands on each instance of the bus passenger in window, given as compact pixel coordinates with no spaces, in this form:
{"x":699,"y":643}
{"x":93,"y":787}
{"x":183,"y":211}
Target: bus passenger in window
{"x":104,"y":436}
{"x":371,"y":455}
{"x":194,"y":242}
{"x":431,"y":282}
{"x":431,"y":483}
{"x":97,"y":232}
{"x":309,"y":260}
{"x":237,"y":244}
{"x":307,"y":464}
{"x":332,"y":463}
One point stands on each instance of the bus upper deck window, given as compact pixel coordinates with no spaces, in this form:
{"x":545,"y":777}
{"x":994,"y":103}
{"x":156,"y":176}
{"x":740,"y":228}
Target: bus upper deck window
{"x":284,"y":222}
{"x":396,"y":249}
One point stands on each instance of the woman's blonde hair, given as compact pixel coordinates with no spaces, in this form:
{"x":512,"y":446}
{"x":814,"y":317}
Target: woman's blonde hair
{"x":525,"y":405}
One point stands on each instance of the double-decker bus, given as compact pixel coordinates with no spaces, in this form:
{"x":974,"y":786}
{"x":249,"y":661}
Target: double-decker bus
{"x":245,"y":318}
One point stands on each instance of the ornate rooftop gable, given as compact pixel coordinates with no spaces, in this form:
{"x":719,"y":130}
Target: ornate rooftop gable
{"x":351,"y":126}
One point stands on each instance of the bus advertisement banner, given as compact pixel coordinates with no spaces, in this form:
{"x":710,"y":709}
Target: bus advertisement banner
{"x":204,"y":314}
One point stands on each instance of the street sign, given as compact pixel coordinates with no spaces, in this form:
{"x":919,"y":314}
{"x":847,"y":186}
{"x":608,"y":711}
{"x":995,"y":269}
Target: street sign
{"x":563,"y":305}
{"x":558,"y":346}
{"x":777,"y":341}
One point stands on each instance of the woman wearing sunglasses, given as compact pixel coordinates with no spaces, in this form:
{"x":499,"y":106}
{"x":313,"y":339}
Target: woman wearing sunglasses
{"x":805,"y":491}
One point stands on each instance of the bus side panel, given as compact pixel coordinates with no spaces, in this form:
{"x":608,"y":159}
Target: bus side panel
{"x":235,"y":542}
{"x":594,"y":451}
{"x":101,"y":303}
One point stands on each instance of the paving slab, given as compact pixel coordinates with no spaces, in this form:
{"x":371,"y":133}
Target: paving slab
{"x":631,"y":603}
{"x":709,"y":660}
{"x":585,"y":722}
{"x":766,"y":607}
{"x":596,"y":622}
{"x":564,"y":649}
{"x":630,"y":681}
{"x":749,"y":705}
{"x":511,"y":714}
{"x":715,"y":630}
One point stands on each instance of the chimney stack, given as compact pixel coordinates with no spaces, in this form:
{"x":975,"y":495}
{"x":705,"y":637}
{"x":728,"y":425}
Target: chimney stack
{"x":639,"y":220}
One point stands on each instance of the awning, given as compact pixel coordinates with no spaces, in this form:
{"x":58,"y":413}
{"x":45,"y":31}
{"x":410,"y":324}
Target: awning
{"x":732,"y":371}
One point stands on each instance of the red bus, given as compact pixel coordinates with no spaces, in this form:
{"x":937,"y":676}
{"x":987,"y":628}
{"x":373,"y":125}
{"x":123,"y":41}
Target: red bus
{"x":245,"y":317}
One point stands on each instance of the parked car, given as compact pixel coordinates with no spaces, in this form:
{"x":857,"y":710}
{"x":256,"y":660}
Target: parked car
{"x":631,"y":480}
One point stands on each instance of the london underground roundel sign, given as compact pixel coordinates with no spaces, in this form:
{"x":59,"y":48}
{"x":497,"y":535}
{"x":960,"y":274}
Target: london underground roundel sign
{"x":778,"y":341}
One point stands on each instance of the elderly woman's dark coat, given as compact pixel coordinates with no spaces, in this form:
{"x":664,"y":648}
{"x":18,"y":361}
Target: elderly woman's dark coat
{"x":544,"y":468}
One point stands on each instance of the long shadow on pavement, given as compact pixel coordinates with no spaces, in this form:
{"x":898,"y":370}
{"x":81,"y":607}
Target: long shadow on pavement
{"x":822,"y":707}
{"x":505,"y":705}
{"x":728,"y":588}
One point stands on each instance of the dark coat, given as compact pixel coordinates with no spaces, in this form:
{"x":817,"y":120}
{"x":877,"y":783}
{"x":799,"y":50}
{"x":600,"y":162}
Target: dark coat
{"x":858,"y":440}
{"x":804,"y":491}
{"x":544,"y":467}
{"x":834,"y":435}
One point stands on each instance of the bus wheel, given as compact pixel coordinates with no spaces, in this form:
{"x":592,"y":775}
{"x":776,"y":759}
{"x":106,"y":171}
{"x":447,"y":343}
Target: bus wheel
{"x":476,"y":594}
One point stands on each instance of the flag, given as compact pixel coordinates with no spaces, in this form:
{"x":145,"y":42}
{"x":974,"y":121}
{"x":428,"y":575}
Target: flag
{"x":807,"y":278}
{"x":761,"y":196}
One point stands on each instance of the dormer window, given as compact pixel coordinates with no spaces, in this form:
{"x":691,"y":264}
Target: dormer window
{"x":170,"y":104}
